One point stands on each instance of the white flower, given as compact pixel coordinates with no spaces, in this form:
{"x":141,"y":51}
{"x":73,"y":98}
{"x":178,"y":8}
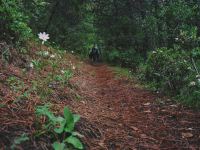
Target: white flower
{"x":62,"y":71}
{"x":154,"y":52}
{"x":73,"y":67}
{"x":192,"y":83}
{"x":52,"y":56}
{"x":72,"y":52}
{"x":46,"y":53}
{"x":176,"y":39}
{"x":31,"y":65}
{"x":43,"y":36}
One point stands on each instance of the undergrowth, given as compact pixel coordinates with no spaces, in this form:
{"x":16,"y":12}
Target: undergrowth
{"x":61,"y":128}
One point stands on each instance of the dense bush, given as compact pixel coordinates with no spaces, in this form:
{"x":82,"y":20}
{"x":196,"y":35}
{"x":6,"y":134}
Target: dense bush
{"x":130,"y":58}
{"x":190,"y":93}
{"x":172,"y":71}
{"x":112,"y":56}
{"x":168,"y":69}
{"x":13,"y":23}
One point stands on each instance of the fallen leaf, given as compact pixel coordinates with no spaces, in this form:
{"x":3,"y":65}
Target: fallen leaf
{"x":187,"y":135}
{"x":101,"y":144}
{"x":134,"y":128}
{"x":83,"y":102}
{"x":147,"y":111}
{"x":146,"y":104}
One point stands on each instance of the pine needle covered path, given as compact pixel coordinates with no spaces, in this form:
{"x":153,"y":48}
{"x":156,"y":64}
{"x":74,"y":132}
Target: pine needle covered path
{"x":118,"y":115}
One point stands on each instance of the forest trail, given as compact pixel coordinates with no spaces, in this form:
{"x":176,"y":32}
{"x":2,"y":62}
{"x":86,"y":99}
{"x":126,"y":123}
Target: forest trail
{"x":117,"y":115}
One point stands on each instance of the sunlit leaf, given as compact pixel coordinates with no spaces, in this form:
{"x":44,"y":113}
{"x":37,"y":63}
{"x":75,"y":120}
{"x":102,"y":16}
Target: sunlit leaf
{"x":75,"y":142}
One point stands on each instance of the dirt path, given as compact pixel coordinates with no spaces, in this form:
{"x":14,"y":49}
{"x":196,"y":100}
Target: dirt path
{"x":115,"y":113}
{"x":118,"y":116}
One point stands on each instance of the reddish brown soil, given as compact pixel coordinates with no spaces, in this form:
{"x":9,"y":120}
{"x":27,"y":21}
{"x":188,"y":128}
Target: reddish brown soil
{"x":115,"y":113}
{"x":118,"y":116}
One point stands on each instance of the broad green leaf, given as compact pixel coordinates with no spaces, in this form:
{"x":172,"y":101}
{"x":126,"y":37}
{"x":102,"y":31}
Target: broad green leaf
{"x":59,"y":119}
{"x":75,"y":142}
{"x":76,"y":118}
{"x":61,"y":128}
{"x":69,"y":120}
{"x":58,"y":146}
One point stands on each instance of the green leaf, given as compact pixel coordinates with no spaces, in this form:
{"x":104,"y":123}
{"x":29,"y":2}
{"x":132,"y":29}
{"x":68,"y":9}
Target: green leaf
{"x":59,"y":119}
{"x":69,"y":120}
{"x":75,"y":142}
{"x":76,"y":118}
{"x":61,"y":128}
{"x":44,"y":110}
{"x":58,"y":146}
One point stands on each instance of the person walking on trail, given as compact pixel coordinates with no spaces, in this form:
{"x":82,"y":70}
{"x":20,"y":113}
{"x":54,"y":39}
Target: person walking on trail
{"x":94,"y":53}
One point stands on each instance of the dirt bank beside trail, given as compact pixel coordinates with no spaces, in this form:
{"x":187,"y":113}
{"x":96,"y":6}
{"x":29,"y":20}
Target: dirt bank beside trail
{"x":116,"y":115}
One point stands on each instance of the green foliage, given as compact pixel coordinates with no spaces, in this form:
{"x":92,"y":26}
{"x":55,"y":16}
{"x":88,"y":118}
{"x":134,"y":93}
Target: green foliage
{"x":122,"y":72}
{"x":113,"y":56}
{"x":37,"y":64}
{"x":74,"y":141}
{"x":64,"y":78}
{"x":61,"y":125}
{"x":58,"y":146}
{"x":13,"y":22}
{"x":15,"y":83}
{"x":196,"y":53}
{"x":43,"y":54}
{"x":5,"y":52}
{"x":171,"y":71}
{"x":41,"y":87}
{"x":190,"y":93}
{"x":167,"y":69}
{"x":129,"y":58}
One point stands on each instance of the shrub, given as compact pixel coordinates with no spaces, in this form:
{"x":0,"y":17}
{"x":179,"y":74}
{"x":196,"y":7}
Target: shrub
{"x":129,"y":58}
{"x":63,"y":126}
{"x":175,"y":72}
{"x":168,"y":69}
{"x":113,"y":56}
{"x":190,"y":93}
{"x":13,"y":22}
